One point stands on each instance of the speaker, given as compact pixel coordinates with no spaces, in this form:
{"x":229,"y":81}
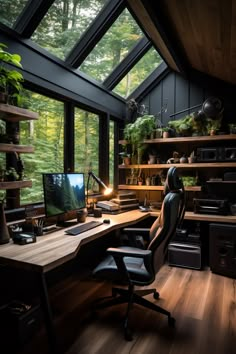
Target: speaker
{"x":222,"y":249}
{"x":230,"y":154}
{"x":208,"y":154}
{"x":185,"y":255}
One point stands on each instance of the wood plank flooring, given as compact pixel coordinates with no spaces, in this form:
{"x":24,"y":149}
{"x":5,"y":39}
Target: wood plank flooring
{"x":203,"y":304}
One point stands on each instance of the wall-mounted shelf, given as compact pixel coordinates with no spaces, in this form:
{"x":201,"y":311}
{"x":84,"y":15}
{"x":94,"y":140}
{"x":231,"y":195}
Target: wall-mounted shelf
{"x":16,"y":148}
{"x":182,"y":165}
{"x":187,"y":139}
{"x":15,"y":114}
{"x":15,"y":184}
{"x":155,"y":188}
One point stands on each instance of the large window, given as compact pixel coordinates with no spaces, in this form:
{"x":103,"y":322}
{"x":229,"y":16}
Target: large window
{"x":47,"y":136}
{"x":111,"y":153}
{"x":64,"y":23}
{"x":113,"y":47}
{"x":150,"y":61}
{"x":10,"y":10}
{"x":86,"y":141}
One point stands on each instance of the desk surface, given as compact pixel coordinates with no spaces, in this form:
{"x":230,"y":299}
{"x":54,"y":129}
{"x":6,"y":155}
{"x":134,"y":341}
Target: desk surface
{"x":56,"y":248}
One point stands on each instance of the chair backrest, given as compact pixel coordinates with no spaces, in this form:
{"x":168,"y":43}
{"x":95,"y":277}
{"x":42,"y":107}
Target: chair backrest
{"x":171,"y":213}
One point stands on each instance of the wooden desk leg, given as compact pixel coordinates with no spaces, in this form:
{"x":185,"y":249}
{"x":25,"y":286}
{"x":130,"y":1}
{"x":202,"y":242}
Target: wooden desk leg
{"x":47,"y":314}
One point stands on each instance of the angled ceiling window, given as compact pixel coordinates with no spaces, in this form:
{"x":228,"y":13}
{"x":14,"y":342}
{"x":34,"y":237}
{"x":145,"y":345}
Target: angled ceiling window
{"x":144,"y":67}
{"x":113,"y":47}
{"x":10,"y":10}
{"x":64,"y":24}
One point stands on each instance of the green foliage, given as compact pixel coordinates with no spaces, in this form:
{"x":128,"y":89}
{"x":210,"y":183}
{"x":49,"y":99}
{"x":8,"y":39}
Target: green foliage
{"x":10,"y":80}
{"x":136,"y":132}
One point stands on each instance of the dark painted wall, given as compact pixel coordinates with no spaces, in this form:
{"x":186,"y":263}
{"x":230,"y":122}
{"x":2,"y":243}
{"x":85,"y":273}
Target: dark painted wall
{"x":176,"y":94}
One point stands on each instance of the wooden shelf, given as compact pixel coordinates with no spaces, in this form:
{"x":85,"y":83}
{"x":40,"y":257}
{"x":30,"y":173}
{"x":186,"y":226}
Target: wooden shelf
{"x":156,"y":188}
{"x":15,"y":184}
{"x":16,"y":148}
{"x":187,"y":139}
{"x":189,"y":215}
{"x":182,"y":165}
{"x":15,"y":114}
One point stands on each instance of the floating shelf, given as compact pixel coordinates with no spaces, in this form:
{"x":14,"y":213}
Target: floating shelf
{"x":155,"y":188}
{"x":182,"y":165}
{"x":16,"y":148}
{"x":187,"y":139}
{"x":15,"y":184}
{"x":15,"y":114}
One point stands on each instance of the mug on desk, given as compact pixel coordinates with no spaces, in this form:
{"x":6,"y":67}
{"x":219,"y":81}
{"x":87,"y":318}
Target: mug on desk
{"x":81,"y":215}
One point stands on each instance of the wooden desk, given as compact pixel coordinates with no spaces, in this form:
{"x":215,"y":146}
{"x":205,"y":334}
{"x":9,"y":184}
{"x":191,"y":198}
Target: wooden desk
{"x":55,"y":249}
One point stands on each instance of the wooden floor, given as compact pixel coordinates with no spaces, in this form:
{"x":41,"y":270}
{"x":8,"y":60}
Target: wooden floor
{"x":203,"y":304}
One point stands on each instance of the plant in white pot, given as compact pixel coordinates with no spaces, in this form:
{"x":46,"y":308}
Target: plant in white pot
{"x":10,"y":79}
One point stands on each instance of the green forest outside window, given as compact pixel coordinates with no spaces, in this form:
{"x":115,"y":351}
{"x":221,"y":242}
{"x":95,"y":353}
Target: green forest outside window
{"x":64,"y":23}
{"x":86,"y":141}
{"x":10,"y":10}
{"x":145,"y":66}
{"x":111,"y":153}
{"x":113,"y":47}
{"x":46,"y":135}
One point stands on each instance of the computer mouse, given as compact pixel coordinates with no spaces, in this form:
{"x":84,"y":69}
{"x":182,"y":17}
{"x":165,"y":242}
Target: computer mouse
{"x":106,"y":221}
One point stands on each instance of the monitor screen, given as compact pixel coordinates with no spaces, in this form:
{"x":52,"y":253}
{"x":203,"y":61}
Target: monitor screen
{"x":63,"y":192}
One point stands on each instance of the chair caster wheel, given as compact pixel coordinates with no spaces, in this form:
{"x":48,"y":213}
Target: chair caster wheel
{"x":156,"y":295}
{"x":128,"y":335}
{"x":171,"y":321}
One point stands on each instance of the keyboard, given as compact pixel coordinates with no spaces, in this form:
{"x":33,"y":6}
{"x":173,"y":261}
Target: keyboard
{"x":82,"y":228}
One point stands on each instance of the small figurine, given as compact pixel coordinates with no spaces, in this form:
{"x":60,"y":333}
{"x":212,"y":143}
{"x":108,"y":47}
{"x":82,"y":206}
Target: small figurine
{"x":174,"y":159}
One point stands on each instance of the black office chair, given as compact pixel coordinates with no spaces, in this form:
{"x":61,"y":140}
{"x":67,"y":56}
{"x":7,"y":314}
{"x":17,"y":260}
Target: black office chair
{"x":137,"y":267}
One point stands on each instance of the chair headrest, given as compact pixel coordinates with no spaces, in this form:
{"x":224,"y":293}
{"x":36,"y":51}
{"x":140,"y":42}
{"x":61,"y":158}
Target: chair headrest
{"x":172,"y":180}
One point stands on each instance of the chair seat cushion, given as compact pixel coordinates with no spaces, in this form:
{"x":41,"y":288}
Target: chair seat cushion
{"x":107,"y":269}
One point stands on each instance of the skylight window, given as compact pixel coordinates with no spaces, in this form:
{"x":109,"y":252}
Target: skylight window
{"x":10,"y":10}
{"x":64,"y":24}
{"x":145,"y":66}
{"x":113,"y":47}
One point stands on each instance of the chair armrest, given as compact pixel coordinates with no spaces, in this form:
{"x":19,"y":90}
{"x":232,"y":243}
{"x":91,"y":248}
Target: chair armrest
{"x":136,"y":230}
{"x":128,"y":252}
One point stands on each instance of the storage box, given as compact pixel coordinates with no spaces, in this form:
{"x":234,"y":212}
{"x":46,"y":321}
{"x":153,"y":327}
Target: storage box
{"x":185,"y":255}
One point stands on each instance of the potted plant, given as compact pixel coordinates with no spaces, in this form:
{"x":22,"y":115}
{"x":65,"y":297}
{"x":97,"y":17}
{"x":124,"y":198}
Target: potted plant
{"x":136,"y":132}
{"x":232,"y":128}
{"x":11,"y":174}
{"x":165,"y":132}
{"x":213,"y":126}
{"x":10,"y":79}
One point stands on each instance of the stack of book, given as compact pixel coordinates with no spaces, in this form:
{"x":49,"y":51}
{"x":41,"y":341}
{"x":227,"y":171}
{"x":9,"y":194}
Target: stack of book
{"x":126,"y":200}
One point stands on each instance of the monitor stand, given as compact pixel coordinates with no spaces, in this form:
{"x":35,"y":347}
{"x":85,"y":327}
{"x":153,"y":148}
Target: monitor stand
{"x":62,"y":222}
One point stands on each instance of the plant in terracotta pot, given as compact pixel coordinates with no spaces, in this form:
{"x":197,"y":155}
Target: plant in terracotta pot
{"x":213,"y":126}
{"x":136,"y":132}
{"x":165,"y":132}
{"x":10,"y":79}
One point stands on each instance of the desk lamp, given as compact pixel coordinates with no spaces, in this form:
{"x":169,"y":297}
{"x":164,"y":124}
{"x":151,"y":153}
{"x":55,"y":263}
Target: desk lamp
{"x":106,"y":190}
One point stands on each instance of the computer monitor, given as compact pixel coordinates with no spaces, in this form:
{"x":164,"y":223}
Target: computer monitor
{"x":63,"y":192}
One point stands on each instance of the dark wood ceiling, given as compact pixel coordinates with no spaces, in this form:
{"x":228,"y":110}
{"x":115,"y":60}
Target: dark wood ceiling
{"x":192,"y":34}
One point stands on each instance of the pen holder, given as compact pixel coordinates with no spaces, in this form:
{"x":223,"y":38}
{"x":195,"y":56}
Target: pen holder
{"x":38,"y":230}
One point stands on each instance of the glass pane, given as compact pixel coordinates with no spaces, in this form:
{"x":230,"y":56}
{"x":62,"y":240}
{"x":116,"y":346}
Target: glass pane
{"x":10,"y":10}
{"x":47,"y":136}
{"x":87,"y":143}
{"x":64,"y":24}
{"x":113,"y":47}
{"x":149,"y":62}
{"x":111,"y":154}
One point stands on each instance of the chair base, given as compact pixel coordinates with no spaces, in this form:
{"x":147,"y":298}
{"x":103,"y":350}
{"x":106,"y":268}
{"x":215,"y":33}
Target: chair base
{"x":131,"y":296}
